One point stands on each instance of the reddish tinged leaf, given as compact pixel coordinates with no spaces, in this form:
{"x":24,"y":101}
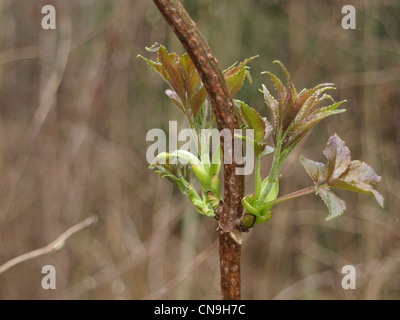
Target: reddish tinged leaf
{"x":195,"y":96}
{"x":335,"y":205}
{"x":172,"y":71}
{"x":197,"y":100}
{"x":288,"y":112}
{"x":304,"y":110}
{"x":190,"y":74}
{"x":360,"y":177}
{"x":316,"y":106}
{"x":273,"y":107}
{"x":289,"y":83}
{"x":342,"y":173}
{"x":362,"y":172}
{"x":268,"y":129}
{"x":316,"y":170}
{"x":280,"y":88}
{"x":294,"y":114}
{"x":183,"y":78}
{"x":338,"y":156}
{"x":175,"y":99}
{"x":303,"y":96}
{"x":311,"y":103}
{"x":299,"y":131}
{"x":286,"y":98}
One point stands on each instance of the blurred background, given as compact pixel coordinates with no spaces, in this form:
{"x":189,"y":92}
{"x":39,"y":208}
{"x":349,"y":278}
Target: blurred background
{"x":75,"y":107}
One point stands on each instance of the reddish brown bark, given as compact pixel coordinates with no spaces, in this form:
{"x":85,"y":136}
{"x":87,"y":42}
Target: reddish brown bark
{"x":223,"y":108}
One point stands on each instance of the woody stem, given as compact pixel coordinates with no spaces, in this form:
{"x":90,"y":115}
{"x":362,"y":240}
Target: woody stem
{"x":226,"y":118}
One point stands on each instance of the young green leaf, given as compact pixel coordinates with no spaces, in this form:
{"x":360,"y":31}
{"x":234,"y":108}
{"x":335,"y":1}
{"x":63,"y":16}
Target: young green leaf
{"x":235,"y":82}
{"x":262,"y":129}
{"x":254,"y":120}
{"x":273,"y":194}
{"x":247,"y":203}
{"x":235,"y":75}
{"x":216,"y":161}
{"x":186,"y":156}
{"x":202,"y":176}
{"x":202,"y":206}
{"x":215,"y":186}
{"x":176,"y":173}
{"x":236,"y":68}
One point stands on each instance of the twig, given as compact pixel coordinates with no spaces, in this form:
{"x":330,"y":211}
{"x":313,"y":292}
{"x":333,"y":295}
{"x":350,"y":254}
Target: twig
{"x":51,"y":247}
{"x":226,"y":118}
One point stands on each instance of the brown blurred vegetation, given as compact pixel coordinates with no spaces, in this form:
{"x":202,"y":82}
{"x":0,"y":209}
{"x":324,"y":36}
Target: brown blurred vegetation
{"x":75,"y":107}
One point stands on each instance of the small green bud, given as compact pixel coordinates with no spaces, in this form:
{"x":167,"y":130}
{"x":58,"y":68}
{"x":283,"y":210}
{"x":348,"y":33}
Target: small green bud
{"x":248,"y":220}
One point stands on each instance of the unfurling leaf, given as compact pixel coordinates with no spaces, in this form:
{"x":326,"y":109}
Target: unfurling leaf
{"x":178,"y":174}
{"x":262,"y":208}
{"x":273,"y":107}
{"x":175,"y":99}
{"x":335,"y":205}
{"x":202,"y":205}
{"x":187,"y":91}
{"x":341,"y":173}
{"x":359,"y":178}
{"x":316,"y":170}
{"x":338,"y":156}
{"x":301,"y":129}
{"x":294,"y":114}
